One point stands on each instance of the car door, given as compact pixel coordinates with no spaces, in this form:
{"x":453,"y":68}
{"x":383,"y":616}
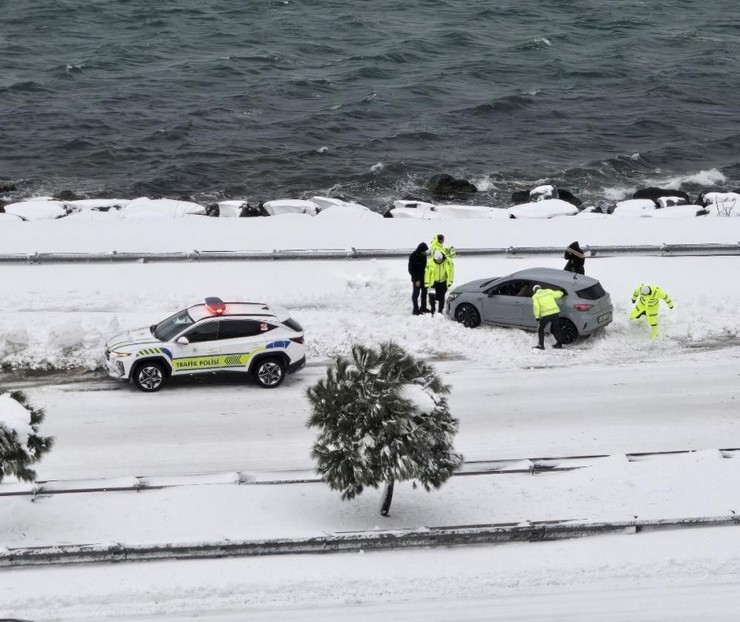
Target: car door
{"x":201,"y":353}
{"x":503,"y":303}
{"x":241,"y":339}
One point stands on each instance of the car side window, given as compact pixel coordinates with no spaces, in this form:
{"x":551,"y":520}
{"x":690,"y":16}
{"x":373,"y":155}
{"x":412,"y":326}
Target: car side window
{"x":207,"y":331}
{"x":234,"y":329}
{"x":505,"y":289}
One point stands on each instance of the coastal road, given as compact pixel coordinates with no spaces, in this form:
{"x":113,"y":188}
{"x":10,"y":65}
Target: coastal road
{"x":105,"y":428}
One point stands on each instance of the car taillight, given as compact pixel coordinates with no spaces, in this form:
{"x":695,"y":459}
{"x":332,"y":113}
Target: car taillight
{"x":297,"y":339}
{"x":582,"y":307}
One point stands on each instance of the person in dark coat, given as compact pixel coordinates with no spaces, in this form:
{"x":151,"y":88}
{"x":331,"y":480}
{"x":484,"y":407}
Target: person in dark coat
{"x":417,"y":265}
{"x":576,"y":259}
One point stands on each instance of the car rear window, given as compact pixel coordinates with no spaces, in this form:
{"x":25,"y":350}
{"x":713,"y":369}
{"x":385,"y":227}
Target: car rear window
{"x":293,"y":325}
{"x":592,"y":293}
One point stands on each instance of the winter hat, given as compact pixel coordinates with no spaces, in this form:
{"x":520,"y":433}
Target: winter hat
{"x":645,"y":289}
{"x":536,"y":287}
{"x":438,"y":256}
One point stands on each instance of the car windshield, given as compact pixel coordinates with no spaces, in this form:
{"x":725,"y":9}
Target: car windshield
{"x":167,"y":329}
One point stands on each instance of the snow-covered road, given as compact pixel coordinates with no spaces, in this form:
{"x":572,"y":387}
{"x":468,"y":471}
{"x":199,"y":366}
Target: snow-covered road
{"x":688,"y":400}
{"x":612,"y":394}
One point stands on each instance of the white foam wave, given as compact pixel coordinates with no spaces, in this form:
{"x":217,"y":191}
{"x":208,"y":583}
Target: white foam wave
{"x":709,"y":178}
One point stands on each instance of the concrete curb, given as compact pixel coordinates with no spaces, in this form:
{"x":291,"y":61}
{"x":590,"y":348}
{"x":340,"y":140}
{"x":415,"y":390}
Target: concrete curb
{"x":349,"y":541}
{"x":356,"y":253}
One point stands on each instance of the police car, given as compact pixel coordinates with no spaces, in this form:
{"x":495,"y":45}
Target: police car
{"x":215,"y":336}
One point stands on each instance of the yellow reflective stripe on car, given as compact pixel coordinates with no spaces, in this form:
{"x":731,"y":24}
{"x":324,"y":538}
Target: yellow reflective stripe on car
{"x":213,"y":362}
{"x":149,"y":351}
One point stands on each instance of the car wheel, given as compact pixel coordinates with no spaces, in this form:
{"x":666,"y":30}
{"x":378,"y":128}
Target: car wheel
{"x":269,"y":373}
{"x":149,"y":377}
{"x":568,"y":331}
{"x":467,"y":315}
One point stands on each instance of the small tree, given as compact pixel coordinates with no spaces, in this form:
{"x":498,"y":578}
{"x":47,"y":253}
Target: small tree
{"x":20,"y":443}
{"x":382,"y":417}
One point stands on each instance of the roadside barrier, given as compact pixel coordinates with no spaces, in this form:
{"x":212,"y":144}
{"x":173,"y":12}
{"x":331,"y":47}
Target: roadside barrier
{"x":675,"y":250}
{"x":348,"y":541}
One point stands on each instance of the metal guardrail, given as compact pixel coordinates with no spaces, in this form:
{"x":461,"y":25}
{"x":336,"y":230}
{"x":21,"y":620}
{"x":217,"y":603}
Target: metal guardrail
{"x":348,"y":541}
{"x":363,"y":253}
{"x":142,"y":483}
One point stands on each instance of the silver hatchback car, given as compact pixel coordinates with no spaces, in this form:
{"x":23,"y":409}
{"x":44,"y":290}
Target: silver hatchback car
{"x":507,"y":301}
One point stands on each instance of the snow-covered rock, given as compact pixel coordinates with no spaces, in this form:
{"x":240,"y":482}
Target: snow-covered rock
{"x":93,"y":215}
{"x":37,"y":210}
{"x":545,"y":208}
{"x":143,"y":208}
{"x":415,"y":213}
{"x":677,"y":211}
{"x":97,"y":204}
{"x":635,"y":208}
{"x":291,"y":206}
{"x":431,"y":211}
{"x":717,"y":203}
{"x":230,"y":209}
{"x":348,"y":210}
{"x":664,"y":202}
{"x":470,"y":211}
{"x":417,"y":210}
{"x":543,"y":193}
{"x":325,"y":202}
{"x":10,"y":218}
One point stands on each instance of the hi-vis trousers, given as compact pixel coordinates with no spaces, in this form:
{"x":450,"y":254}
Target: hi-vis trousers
{"x":650,"y":312}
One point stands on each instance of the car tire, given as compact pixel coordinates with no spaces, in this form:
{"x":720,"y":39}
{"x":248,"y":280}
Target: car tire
{"x":467,"y":315}
{"x":568,"y":331}
{"x":269,"y":373}
{"x":149,"y":377}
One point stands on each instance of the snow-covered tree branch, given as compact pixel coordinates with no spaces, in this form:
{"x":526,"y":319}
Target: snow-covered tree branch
{"x":20,"y":442}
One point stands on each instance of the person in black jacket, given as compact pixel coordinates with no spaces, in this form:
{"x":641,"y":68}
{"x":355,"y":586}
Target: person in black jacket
{"x":417,"y":265}
{"x":576,"y":259}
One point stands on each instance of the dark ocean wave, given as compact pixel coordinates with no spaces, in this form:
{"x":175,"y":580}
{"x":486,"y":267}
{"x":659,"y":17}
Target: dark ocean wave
{"x":288,"y":98}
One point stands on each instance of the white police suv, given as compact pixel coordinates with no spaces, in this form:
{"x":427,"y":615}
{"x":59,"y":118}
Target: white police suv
{"x":215,"y":336}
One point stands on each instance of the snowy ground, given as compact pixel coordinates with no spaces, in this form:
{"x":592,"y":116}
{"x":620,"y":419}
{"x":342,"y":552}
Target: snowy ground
{"x":613,"y":394}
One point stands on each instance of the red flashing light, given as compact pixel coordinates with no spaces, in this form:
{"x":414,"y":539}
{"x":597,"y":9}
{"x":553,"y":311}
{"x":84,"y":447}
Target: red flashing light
{"x":215,"y":305}
{"x":582,"y":307}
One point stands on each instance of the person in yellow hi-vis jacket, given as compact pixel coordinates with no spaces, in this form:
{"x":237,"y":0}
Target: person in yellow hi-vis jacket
{"x":439,"y":273}
{"x":438,"y":245}
{"x":648,"y":298}
{"x":547,"y":311}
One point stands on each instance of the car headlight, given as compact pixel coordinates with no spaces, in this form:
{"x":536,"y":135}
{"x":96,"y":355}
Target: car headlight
{"x":119,"y":355}
{"x":451,"y":297}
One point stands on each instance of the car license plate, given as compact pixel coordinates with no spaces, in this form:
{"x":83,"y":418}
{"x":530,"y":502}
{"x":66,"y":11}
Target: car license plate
{"x":604,"y":317}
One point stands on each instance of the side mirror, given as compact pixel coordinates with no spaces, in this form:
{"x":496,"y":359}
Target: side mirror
{"x":183,"y":341}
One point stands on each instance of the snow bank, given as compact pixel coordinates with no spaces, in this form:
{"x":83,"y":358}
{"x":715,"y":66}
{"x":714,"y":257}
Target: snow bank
{"x":144,"y":208}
